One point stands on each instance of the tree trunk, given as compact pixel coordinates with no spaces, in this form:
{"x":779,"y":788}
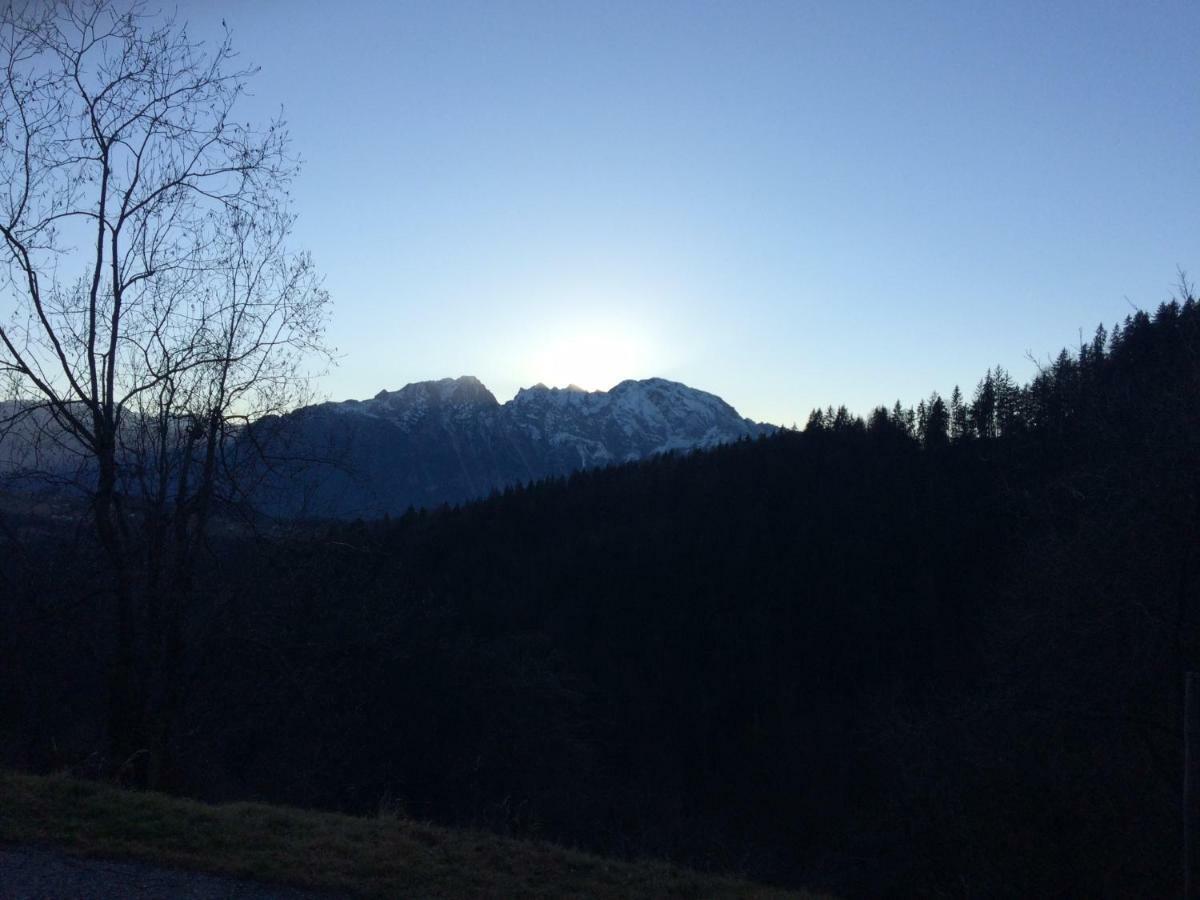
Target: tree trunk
{"x":126,"y":703}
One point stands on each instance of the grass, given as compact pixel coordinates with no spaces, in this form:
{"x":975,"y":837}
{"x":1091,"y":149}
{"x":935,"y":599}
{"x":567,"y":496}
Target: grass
{"x":368,"y":857}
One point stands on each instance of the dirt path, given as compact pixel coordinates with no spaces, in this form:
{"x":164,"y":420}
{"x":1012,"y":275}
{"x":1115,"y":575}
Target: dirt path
{"x":42,"y":873}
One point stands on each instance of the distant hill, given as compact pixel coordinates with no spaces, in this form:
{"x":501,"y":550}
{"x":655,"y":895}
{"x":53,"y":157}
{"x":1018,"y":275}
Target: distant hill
{"x":35,"y":452}
{"x":449,"y":441}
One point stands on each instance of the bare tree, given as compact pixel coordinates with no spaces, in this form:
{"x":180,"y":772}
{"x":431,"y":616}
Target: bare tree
{"x":154,"y":305}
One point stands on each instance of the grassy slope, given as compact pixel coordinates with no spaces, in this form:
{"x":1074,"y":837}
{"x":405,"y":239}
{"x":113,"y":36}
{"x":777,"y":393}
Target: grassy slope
{"x":382,"y":857}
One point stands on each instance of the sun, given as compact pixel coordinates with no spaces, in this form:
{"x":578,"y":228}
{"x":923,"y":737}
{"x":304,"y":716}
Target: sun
{"x":593,"y":356}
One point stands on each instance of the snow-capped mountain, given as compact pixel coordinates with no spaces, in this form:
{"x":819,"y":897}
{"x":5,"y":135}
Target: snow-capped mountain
{"x":435,"y":442}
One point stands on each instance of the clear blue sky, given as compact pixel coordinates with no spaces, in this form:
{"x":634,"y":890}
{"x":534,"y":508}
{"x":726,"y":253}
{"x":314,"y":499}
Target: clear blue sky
{"x":787,"y":204}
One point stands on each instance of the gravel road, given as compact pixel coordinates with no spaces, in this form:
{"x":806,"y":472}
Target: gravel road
{"x":42,"y":873}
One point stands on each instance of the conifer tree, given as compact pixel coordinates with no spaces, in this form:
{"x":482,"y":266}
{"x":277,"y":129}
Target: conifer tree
{"x":936,"y":426}
{"x":983,"y":409}
{"x":879,"y":421}
{"x":958,"y":415}
{"x":1008,"y":401}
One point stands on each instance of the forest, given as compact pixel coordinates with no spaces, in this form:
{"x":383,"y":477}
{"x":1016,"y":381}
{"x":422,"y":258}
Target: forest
{"x":937,"y":651}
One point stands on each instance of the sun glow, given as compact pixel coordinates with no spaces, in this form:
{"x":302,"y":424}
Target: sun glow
{"x":592,"y":356}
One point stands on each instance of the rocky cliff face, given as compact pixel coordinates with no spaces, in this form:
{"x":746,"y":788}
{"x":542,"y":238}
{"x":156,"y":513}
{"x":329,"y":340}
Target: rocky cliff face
{"x":450,"y":441}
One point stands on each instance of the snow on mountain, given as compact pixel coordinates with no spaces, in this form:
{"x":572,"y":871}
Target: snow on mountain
{"x":632,"y":420}
{"x":434,"y":442}
{"x":428,"y":443}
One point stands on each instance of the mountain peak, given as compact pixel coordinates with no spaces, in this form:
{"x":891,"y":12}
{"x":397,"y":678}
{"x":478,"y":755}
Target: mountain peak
{"x":466,"y":389}
{"x":449,"y":440}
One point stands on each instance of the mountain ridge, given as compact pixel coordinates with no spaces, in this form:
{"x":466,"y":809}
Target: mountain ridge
{"x":450,"y":440}
{"x":425,"y":444}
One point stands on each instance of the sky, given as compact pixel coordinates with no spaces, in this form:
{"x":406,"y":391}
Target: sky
{"x":787,"y":204}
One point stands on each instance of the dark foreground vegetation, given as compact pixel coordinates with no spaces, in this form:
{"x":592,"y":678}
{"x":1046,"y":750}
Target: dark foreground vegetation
{"x":385,"y":856}
{"x":936,"y":652}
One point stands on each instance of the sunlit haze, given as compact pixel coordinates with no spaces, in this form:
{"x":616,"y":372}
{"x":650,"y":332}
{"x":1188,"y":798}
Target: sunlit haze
{"x":593,"y":355}
{"x":786,"y":204}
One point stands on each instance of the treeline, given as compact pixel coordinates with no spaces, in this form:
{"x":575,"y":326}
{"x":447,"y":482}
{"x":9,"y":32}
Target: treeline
{"x":936,"y":651}
{"x":1063,"y":395}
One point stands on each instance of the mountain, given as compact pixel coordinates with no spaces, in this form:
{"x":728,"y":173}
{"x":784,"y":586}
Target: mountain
{"x":449,"y":441}
{"x":36,"y":453}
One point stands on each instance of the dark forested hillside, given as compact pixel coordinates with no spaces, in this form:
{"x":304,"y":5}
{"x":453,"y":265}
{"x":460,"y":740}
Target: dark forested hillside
{"x":938,"y":651}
